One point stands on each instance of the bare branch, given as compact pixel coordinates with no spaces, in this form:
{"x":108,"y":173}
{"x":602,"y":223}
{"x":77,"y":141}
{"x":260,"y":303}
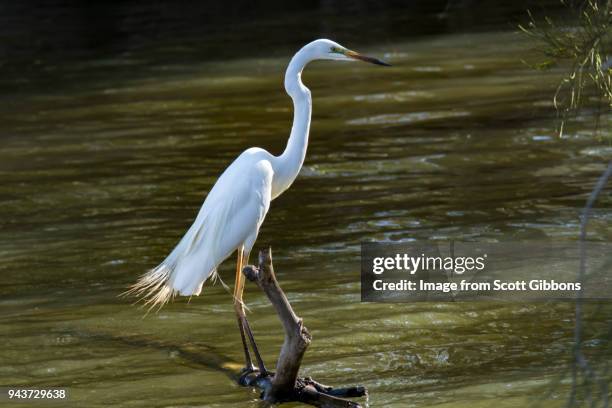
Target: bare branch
{"x":284,"y":385}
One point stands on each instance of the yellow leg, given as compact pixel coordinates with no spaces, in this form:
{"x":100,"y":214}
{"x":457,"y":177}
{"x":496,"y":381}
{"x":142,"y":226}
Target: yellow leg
{"x":239,"y":308}
{"x":243,"y":323}
{"x":239,"y":283}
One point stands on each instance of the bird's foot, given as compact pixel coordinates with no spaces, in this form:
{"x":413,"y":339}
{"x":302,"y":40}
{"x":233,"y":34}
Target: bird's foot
{"x":250,"y":374}
{"x":247,"y":375}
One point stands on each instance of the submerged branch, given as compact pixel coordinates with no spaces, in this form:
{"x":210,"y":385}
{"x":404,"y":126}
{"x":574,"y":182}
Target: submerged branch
{"x":284,"y":385}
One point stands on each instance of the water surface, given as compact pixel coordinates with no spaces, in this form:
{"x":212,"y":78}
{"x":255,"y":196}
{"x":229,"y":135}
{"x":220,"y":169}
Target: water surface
{"x":100,"y":178}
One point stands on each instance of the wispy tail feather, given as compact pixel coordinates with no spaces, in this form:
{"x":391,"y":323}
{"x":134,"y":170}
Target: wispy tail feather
{"x":153,"y":287}
{"x":185,"y":269}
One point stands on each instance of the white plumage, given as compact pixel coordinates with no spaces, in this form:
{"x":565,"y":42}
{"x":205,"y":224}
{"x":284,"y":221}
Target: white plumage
{"x":235,"y":208}
{"x":229,"y":218}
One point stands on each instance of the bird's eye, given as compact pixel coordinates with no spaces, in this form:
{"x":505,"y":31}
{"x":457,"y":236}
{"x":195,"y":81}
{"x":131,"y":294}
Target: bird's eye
{"x":335,"y":50}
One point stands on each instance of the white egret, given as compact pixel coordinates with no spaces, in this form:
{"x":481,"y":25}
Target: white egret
{"x":235,"y":208}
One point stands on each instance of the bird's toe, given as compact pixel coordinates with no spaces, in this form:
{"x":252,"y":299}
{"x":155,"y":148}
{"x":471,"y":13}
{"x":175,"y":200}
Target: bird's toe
{"x":247,"y":375}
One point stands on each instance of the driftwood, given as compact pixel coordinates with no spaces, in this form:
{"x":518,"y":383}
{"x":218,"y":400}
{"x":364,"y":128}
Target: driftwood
{"x":284,"y":385}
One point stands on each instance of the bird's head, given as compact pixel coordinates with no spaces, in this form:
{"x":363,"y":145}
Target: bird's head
{"x":329,"y":50}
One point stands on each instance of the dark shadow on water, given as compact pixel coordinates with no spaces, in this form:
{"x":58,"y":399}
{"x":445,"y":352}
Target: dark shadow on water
{"x":198,"y":354}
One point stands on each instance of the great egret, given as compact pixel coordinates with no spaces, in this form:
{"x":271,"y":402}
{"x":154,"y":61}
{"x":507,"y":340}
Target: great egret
{"x":235,"y":208}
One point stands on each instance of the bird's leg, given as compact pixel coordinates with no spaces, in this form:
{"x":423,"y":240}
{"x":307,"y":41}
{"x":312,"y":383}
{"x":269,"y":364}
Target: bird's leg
{"x":239,"y":308}
{"x":245,"y":326}
{"x":262,"y":367}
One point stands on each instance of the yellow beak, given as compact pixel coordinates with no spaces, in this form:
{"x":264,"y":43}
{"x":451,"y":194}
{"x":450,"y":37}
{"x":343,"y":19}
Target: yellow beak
{"x":357,"y":56}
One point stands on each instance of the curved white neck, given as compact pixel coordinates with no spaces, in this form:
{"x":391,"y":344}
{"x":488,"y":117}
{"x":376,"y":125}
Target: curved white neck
{"x":288,"y":164}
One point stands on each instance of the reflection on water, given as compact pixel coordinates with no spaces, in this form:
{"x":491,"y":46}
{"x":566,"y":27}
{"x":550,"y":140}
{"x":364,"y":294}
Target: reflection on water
{"x":456,"y":140}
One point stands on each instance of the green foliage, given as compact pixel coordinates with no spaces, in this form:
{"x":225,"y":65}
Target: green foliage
{"x":585,"y":46}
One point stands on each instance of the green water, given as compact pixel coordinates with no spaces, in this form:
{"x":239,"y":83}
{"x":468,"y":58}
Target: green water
{"x":457,"y":140}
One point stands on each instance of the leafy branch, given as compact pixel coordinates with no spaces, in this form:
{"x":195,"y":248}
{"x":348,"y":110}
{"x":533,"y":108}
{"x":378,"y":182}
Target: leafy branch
{"x":585,"y":45}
